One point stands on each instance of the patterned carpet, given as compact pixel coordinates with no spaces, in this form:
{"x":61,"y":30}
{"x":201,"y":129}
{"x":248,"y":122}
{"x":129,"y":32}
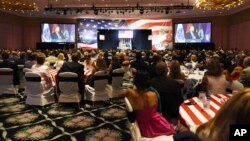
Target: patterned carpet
{"x":19,"y":122}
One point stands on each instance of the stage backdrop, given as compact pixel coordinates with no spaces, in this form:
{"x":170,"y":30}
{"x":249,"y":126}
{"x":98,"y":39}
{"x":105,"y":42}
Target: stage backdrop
{"x":161,"y":31}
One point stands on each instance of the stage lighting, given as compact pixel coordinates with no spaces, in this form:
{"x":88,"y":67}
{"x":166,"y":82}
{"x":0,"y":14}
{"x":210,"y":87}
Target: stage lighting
{"x":130,"y":9}
{"x":96,"y":12}
{"x":65,"y":12}
{"x":141,"y":10}
{"x":167,"y":11}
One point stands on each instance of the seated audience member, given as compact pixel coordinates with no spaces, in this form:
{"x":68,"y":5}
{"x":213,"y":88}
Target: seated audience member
{"x":13,"y":56}
{"x":236,"y":72}
{"x":175,"y":71}
{"x":89,"y":68}
{"x":88,"y":63}
{"x":235,"y":111}
{"x":43,"y":70}
{"x":115,"y":64}
{"x":100,"y":64}
{"x":233,"y":85}
{"x":60,"y":61}
{"x":145,"y":103}
{"x":214,"y":80}
{"x":106,"y":58}
{"x":169,"y":91}
{"x":194,"y":61}
{"x":51,"y":59}
{"x":8,"y":64}
{"x":245,"y":75}
{"x":75,"y":67}
{"x":21,"y":59}
{"x":152,"y":70}
{"x":139,"y":64}
{"x":31,"y":62}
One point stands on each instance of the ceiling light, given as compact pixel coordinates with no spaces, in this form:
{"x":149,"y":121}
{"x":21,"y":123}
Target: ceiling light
{"x":18,"y":5}
{"x":141,"y":10}
{"x":217,"y":4}
{"x":96,"y":12}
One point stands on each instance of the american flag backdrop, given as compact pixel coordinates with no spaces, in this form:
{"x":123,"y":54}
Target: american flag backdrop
{"x":161,"y":31}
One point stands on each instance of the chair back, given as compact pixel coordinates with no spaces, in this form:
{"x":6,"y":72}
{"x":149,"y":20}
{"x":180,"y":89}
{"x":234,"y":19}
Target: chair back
{"x":117,"y":78}
{"x":20,"y":67}
{"x":100,"y":80}
{"x":38,"y":92}
{"x":33,"y":83}
{"x":6,"y":76}
{"x":68,"y":82}
{"x":26,"y":70}
{"x":128,"y":105}
{"x":134,"y":128}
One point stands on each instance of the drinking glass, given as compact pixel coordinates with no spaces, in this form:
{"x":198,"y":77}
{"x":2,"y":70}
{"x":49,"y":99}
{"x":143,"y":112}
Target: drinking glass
{"x":202,"y":96}
{"x":206,"y":104}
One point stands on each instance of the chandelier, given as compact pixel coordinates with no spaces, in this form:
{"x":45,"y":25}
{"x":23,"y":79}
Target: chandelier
{"x":217,"y":4}
{"x":18,"y":5}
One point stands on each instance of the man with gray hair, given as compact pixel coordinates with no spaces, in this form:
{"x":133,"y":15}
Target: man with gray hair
{"x":245,"y":75}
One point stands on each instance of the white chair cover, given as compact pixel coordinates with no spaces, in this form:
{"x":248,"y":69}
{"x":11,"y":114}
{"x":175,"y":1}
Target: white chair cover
{"x":68,"y":84}
{"x":115,"y":88}
{"x":37,"y":94}
{"x":26,"y":70}
{"x":6,"y":81}
{"x":99,"y":91}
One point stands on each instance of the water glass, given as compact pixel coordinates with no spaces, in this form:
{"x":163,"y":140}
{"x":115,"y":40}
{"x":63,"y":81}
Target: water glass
{"x":206,"y":104}
{"x":202,"y":96}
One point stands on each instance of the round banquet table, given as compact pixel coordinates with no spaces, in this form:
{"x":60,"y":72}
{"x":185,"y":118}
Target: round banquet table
{"x":194,"y":115}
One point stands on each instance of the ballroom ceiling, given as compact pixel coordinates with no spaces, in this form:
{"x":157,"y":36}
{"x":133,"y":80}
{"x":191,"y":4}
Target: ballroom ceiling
{"x":109,"y":14}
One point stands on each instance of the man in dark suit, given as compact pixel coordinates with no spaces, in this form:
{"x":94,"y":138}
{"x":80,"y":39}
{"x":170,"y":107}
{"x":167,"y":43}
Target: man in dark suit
{"x":75,"y":67}
{"x":139,"y":64}
{"x":8,"y":64}
{"x":169,"y":91}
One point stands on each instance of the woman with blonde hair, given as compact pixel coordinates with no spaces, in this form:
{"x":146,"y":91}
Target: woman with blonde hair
{"x":100,"y":64}
{"x":60,"y":61}
{"x":235,"y":111}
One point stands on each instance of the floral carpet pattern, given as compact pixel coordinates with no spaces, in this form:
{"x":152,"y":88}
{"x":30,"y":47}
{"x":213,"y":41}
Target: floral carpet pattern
{"x":19,"y":122}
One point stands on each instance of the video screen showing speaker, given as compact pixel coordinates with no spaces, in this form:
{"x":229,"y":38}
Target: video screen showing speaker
{"x":124,"y":39}
{"x":193,"y":32}
{"x":57,"y":33}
